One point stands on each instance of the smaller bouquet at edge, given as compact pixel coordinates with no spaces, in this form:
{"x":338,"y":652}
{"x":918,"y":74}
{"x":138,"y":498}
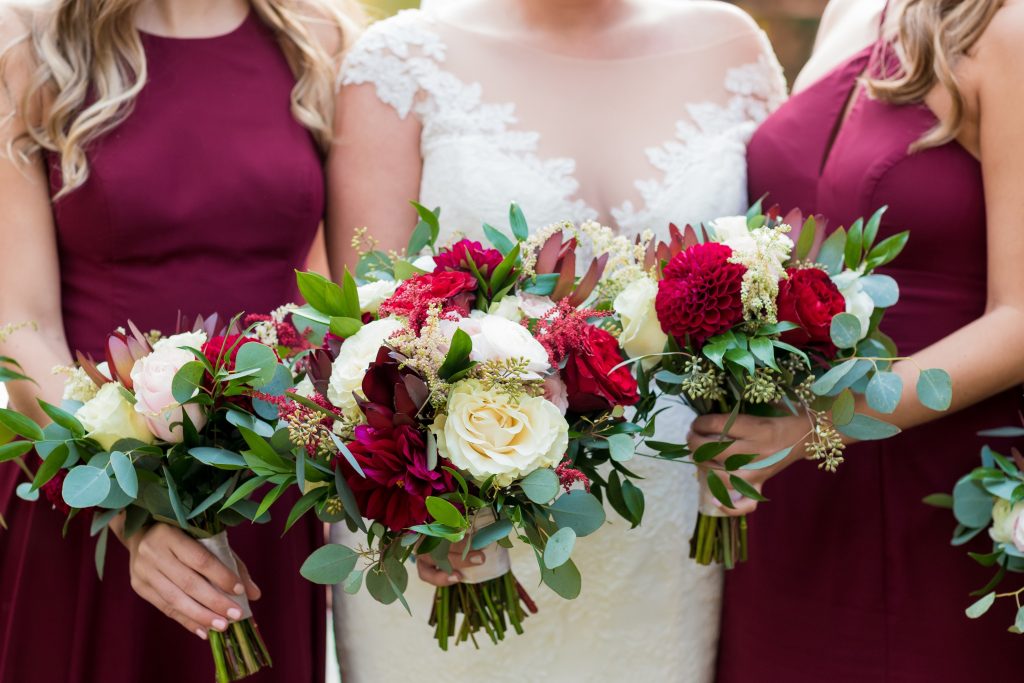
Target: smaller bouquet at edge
{"x":165,"y":429}
{"x":473,"y":397}
{"x":754,"y":323}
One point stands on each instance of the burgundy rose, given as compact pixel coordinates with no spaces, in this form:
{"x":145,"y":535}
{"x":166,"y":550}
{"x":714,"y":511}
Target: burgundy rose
{"x":699,"y":296}
{"x":458,"y":256}
{"x":810,"y":299}
{"x":590,"y":381}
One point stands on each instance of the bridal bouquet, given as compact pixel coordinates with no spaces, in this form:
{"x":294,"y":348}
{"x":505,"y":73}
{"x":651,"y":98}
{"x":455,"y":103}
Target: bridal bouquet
{"x":753,"y":324}
{"x":991,"y":498}
{"x":166,"y":429}
{"x":474,"y":403}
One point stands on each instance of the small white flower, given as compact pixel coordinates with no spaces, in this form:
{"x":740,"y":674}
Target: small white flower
{"x":858,"y":303}
{"x":194,"y":340}
{"x":373,"y":294}
{"x":425,"y":263}
{"x":733,"y":232}
{"x":78,"y":386}
{"x":496,"y":338}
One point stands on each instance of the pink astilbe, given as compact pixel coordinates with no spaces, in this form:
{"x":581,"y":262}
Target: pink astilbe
{"x":563,"y":329}
{"x":453,"y":291}
{"x":567,"y":476}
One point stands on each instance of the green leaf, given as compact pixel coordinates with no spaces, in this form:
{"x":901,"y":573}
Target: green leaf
{"x":845,"y":330}
{"x":743,"y":358}
{"x":771,"y":460}
{"x":884,"y":392}
{"x":101,"y":551}
{"x":710,"y":451}
{"x":854,"y":242}
{"x":832,"y":251}
{"x":211,"y":499}
{"x":379,"y":587}
{"x":580,"y":511}
{"x":26,"y":492}
{"x":764,"y":351}
{"x":718,"y":490}
{"x":243,"y":491}
{"x":887,"y":250}
{"x":559,"y":547}
{"x":346,"y":453}
{"x":349,"y":297}
{"x":517,"y":221}
{"x":63,"y":418}
{"x":256,"y":356}
{"x":827,"y":382}
{"x":746,"y":489}
{"x":502,"y":270}
{"x":52,"y":463}
{"x":187,"y":381}
{"x":739,"y":461}
{"x":972,"y":504}
{"x":935,"y":389}
{"x":883,"y":290}
{"x":540,"y":486}
{"x":445,"y":513}
{"x":124,"y":471}
{"x":353,"y":583}
{"x":866,"y":428}
{"x":320,"y":293}
{"x":843,"y":408}
{"x":406,"y":271}
{"x":348,"y":500}
{"x":565,"y":580}
{"x":330,"y":564}
{"x":345,"y":327}
{"x":715,"y":352}
{"x":15,"y":449}
{"x":431,"y":218}
{"x":1018,"y":621}
{"x":85,"y":486}
{"x":981,"y":606}
{"x":458,"y":354}
{"x":805,"y":242}
{"x":633,"y":497}
{"x":218,"y":457}
{"x":20,"y":425}
{"x":621,"y":447}
{"x":491,"y":534}
{"x":180,"y":513}
{"x":1003,"y":432}
{"x":939,"y":500}
{"x":498,"y":239}
{"x":271,"y":498}
{"x":542,"y":285}
{"x":419,"y":239}
{"x":871,"y":229}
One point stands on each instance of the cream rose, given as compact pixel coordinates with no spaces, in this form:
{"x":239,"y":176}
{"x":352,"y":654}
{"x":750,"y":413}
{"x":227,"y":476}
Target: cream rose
{"x":153,"y":376}
{"x":496,"y":338}
{"x":355,"y":356}
{"x":192,"y":340}
{"x":484,"y":433}
{"x":109,"y":417}
{"x":641,"y":332}
{"x":373,"y":294}
{"x":1005,"y":522}
{"x":858,"y":303}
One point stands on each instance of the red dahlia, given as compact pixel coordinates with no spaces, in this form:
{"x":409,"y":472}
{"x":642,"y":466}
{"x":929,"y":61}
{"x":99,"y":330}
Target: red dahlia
{"x":699,"y":296}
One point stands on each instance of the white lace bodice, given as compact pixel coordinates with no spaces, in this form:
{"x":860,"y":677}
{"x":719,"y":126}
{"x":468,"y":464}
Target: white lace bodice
{"x":636,"y":143}
{"x":482,"y":151}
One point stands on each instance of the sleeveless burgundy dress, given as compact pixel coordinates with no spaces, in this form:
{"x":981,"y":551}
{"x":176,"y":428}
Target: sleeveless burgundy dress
{"x":852,"y":579}
{"x":204,"y":200}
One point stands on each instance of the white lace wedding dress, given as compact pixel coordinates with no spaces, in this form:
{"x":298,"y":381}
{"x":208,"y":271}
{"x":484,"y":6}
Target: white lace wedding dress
{"x":636,"y":143}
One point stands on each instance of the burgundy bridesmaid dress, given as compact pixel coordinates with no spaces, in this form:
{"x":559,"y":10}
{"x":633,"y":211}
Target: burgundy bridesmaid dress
{"x":852,"y":578}
{"x":205,"y":200}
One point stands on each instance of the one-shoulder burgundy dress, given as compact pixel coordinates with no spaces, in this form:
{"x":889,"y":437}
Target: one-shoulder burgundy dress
{"x":852,"y":578}
{"x":204,"y":200}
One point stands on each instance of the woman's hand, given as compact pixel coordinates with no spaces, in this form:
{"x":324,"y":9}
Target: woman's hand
{"x":763,"y":436}
{"x":428,"y":570}
{"x":185,"y":581}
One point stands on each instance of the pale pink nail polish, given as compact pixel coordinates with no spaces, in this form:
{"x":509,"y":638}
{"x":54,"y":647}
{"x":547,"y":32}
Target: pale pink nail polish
{"x":453,"y":578}
{"x":234,"y":614}
{"x":239,"y":589}
{"x":220,"y":624}
{"x":201,"y":633}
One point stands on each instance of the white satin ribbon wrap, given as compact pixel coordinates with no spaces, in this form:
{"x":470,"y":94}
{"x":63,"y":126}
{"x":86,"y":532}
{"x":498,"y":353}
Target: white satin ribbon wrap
{"x":496,"y":559}
{"x":218,"y":545}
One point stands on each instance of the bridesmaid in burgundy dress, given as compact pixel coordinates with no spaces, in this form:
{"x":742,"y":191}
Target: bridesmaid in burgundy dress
{"x":852,"y":578}
{"x":204,"y":198}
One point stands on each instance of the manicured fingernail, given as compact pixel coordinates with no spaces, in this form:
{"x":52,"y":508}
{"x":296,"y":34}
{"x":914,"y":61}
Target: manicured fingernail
{"x":234,"y":614}
{"x":736,"y":496}
{"x":201,"y":633}
{"x":476,"y":559}
{"x":220,"y":624}
{"x":239,"y":589}
{"x":454,"y":578}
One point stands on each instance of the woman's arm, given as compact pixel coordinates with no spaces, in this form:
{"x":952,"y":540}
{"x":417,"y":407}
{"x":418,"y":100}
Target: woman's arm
{"x":985,"y":357}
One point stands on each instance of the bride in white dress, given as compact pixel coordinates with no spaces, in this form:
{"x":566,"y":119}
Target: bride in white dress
{"x":634,"y":113}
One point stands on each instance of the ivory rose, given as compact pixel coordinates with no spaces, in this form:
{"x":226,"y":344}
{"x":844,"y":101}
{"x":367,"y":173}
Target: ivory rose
{"x":108,"y":417}
{"x":641,"y":331}
{"x":1007,"y":526}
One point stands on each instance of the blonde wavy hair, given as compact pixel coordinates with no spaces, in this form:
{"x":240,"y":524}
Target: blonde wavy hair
{"x":90,"y":67}
{"x":931,"y":36}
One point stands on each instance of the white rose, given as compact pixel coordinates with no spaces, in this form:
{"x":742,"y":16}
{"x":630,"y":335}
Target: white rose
{"x":305,"y":388}
{"x":192,"y":340}
{"x":733,"y":232}
{"x":109,"y":417}
{"x":641,"y":332}
{"x":484,"y":433}
{"x":534,"y":306}
{"x":507,"y":308}
{"x":858,"y":303}
{"x":152,"y":377}
{"x":425,"y":263}
{"x":495,"y":338}
{"x":373,"y":294}
{"x":355,"y":356}
{"x":1005,"y":521}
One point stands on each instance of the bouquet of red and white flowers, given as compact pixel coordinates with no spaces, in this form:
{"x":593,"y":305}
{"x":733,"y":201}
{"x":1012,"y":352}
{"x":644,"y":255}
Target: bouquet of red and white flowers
{"x":166,"y":429}
{"x":752,"y":323}
{"x":476,"y":401}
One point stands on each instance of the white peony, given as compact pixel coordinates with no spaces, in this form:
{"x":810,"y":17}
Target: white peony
{"x":641,"y":331}
{"x":733,"y":232}
{"x":355,"y":356}
{"x":373,"y":294}
{"x":496,"y":338}
{"x":484,"y":433}
{"x":192,"y":340}
{"x":858,"y":303}
{"x":108,"y":417}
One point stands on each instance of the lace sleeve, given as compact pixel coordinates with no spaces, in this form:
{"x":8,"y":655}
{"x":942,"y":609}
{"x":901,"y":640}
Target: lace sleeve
{"x":762,"y":82}
{"x":395,"y":55}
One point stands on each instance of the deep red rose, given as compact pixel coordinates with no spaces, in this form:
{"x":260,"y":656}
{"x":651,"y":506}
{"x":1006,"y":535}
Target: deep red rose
{"x":699,"y":295}
{"x":53,"y":490}
{"x":457,"y":257}
{"x":454,"y":290}
{"x":810,"y":299}
{"x":590,"y":382}
{"x":216,"y":349}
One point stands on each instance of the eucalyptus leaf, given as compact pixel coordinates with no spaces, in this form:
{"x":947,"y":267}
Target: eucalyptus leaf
{"x":85,"y":486}
{"x":843,"y":408}
{"x":329,"y":564}
{"x":972,"y":504}
{"x":559,"y":548}
{"x":256,"y":356}
{"x":621,"y":447}
{"x":981,"y":606}
{"x":867,"y":428}
{"x":884,"y":392}
{"x":935,"y":389}
{"x":846,"y":330}
{"x":580,"y":511}
{"x":883,"y":290}
{"x":541,"y":486}
{"x":124,"y":471}
{"x":564,"y":580}
{"x":491,"y":534}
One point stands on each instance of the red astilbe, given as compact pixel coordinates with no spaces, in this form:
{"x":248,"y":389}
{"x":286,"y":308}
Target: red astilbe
{"x":564,"y":329}
{"x":453,"y":291}
{"x":288,"y":334}
{"x":699,"y":296}
{"x":567,"y":476}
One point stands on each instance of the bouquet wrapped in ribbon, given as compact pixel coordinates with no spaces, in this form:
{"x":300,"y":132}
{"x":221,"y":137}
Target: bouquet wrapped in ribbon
{"x":472,"y":399}
{"x":991,"y":498}
{"x":165,"y":430}
{"x":756,"y":324}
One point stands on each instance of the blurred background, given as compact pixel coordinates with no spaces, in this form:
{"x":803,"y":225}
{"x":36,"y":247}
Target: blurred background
{"x":791,"y":24}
